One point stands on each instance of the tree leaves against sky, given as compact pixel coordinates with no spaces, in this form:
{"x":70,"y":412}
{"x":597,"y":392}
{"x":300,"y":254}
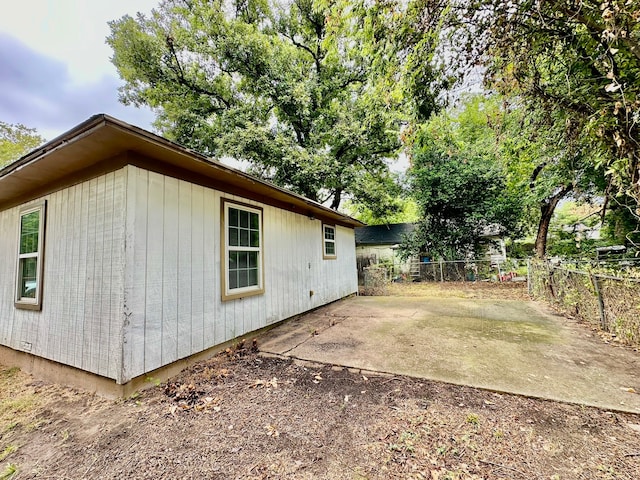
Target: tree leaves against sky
{"x":460,"y":185}
{"x":303,"y":90}
{"x":578,"y":61}
{"x":15,"y":141}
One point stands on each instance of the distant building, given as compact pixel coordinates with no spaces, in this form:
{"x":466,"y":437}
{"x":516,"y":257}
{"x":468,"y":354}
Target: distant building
{"x":380,"y":244}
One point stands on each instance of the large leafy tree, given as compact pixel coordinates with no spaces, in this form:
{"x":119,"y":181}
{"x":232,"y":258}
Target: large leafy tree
{"x":576,"y":60}
{"x":299,"y":89}
{"x":492,"y":163}
{"x":460,"y":185}
{"x":543,"y":166}
{"x":16,"y":140}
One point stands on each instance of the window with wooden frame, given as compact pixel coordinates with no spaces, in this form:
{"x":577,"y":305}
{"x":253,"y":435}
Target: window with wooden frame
{"x":329,"y":242}
{"x":242,"y":261}
{"x":30,"y":257}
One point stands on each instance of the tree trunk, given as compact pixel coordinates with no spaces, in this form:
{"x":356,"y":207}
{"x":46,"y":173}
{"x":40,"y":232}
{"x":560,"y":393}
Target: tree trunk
{"x":547,"y":207}
{"x":337,"y":197}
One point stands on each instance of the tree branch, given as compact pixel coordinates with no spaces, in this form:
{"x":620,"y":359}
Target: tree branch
{"x":182,"y":79}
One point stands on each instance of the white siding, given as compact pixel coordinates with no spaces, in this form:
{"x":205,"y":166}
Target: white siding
{"x":79,"y":324}
{"x":132,"y":274}
{"x":173,"y":303}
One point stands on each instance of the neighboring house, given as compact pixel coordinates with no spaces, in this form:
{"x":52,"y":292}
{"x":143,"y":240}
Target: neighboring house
{"x":122,"y":253}
{"x":494,"y":245}
{"x":377,"y":244}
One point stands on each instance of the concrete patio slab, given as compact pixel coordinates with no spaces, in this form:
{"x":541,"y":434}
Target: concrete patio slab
{"x":503,"y":345}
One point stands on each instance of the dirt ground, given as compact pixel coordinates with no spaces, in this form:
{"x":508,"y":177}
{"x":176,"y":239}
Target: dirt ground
{"x":243,"y":415}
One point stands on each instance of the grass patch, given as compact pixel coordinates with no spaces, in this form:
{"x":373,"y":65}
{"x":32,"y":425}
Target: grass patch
{"x":7,"y":451}
{"x":9,"y":471}
{"x":17,"y":402}
{"x":8,"y":373}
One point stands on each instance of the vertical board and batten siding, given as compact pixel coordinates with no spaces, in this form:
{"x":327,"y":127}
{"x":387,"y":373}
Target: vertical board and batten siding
{"x":172,"y":298}
{"x":132,"y":274}
{"x":80,"y":320}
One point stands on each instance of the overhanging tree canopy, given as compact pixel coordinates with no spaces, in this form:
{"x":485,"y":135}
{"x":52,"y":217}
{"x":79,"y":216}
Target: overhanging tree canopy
{"x":576,"y":60}
{"x":16,"y":140}
{"x":460,"y":185}
{"x":288,"y":86}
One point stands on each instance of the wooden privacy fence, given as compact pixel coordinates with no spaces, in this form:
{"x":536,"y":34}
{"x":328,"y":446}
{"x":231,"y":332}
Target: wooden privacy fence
{"x":611,"y":303}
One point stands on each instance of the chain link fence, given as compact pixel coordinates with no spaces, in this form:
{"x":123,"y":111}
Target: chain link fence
{"x":609,"y":302}
{"x":439,"y":271}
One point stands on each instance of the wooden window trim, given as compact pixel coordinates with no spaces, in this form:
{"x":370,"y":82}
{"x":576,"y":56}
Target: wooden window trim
{"x":36,"y":302}
{"x":325,"y":255}
{"x":226,"y":294}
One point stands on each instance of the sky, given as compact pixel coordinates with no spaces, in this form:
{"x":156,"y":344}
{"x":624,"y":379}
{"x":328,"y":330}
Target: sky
{"x":55,"y":70}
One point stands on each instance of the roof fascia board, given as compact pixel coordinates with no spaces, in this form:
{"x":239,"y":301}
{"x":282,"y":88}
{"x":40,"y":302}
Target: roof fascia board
{"x":192,"y":155}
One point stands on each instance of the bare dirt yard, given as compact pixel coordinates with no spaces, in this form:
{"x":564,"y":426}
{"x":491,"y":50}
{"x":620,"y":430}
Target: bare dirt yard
{"x":243,"y":415}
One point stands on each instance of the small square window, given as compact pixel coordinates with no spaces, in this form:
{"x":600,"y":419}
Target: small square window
{"x":329,"y":242}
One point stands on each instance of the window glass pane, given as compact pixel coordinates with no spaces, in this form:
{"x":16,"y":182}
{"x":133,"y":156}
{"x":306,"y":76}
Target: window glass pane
{"x":233,"y":236}
{"x":253,"y":259}
{"x":329,"y":233}
{"x":330,"y":248}
{"x":255,"y":223}
{"x":244,"y":219}
{"x":242,"y":260}
{"x":233,"y":217}
{"x":29,"y":226}
{"x":233,"y":279}
{"x":244,"y":238}
{"x":253,"y":276}
{"x":255,"y":239}
{"x":28,"y":277}
{"x":233,"y":260}
{"x":243,"y":278}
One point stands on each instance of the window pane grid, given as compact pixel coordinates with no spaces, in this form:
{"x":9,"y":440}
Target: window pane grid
{"x":244,"y":249}
{"x":29,"y":230}
{"x":329,"y":241}
{"x":29,"y":256}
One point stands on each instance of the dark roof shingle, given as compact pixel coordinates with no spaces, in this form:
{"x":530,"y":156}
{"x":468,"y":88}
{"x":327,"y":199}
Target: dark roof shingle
{"x":391,"y":234}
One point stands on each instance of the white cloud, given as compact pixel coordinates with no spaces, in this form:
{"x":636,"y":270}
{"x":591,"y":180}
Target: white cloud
{"x":55,"y":63}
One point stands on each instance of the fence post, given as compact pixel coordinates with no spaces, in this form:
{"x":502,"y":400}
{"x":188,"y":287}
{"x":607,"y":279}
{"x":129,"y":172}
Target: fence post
{"x":441,"y":274}
{"x":529,"y":286}
{"x":603,"y":317}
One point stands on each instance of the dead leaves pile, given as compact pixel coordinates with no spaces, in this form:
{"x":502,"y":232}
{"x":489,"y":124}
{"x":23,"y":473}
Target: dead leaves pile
{"x":240,"y":349}
{"x":188,"y":397}
{"x":273,"y":383}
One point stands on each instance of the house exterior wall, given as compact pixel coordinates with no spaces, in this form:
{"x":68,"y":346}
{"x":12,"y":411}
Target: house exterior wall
{"x":172,"y":292}
{"x":132,"y":270}
{"x":80,"y":321}
{"x":381,"y":252}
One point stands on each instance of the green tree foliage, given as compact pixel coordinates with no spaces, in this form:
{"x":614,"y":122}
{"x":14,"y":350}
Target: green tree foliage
{"x":15,"y":141}
{"x":572,"y":230}
{"x":542,"y":166}
{"x":397,"y":207}
{"x":303,"y":90}
{"x":622,"y":224}
{"x":459,"y":184}
{"x":576,"y":61}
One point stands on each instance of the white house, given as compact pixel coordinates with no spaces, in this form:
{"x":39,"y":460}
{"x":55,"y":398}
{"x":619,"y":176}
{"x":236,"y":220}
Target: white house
{"x":122,"y":253}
